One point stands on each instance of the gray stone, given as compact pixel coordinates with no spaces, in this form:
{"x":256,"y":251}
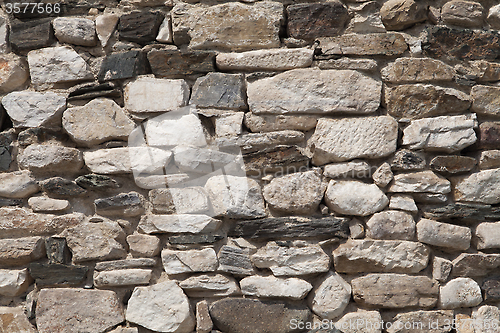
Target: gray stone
{"x":120,"y":278}
{"x":30,"y":35}
{"x":443,"y":235}
{"x":111,"y":265}
{"x":265,"y":60}
{"x":487,"y":234}
{"x":75,"y":30}
{"x":391,"y":225}
{"x":441,"y":269}
{"x":485,"y":100}
{"x":189,"y":200}
{"x":487,"y":317}
{"x":254,"y":142}
{"x":202,"y":160}
{"x":348,"y":63}
{"x":96,"y":182}
{"x":383,"y":44}
{"x":13,"y":282}
{"x":49,"y":205}
{"x":60,"y":187}
{"x":210,"y":285}
{"x":275,"y":161}
{"x":405,"y":159}
{"x":402,"y":14}
{"x":173,"y":63}
{"x":235,"y":260}
{"x":60,"y":275}
{"x":50,"y":159}
{"x":143,"y":245}
{"x":475,"y":264}
{"x":177,"y":262}
{"x":330,"y":296}
{"x":490,"y":287}
{"x":270,"y":286}
{"x":165,"y":31}
{"x":13,"y":72}
{"x":468,"y":14}
{"x":204,"y":323}
{"x":480,"y":187}
{"x":21,"y":251}
{"x":17,"y":184}
{"x":189,"y":239}
{"x":139,"y":26}
{"x":219,"y":90}
{"x":365,"y":18}
{"x":403,"y":202}
{"x":460,"y":293}
{"x":413,"y":70}
{"x":122,"y":65}
{"x":353,"y":169}
{"x":123,"y":204}
{"x":423,"y":181}
{"x":453,"y":164}
{"x":494,"y":17}
{"x":429,"y":321}
{"x":183,"y":223}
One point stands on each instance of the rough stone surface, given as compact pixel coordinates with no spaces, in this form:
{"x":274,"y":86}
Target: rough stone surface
{"x":75,"y":30}
{"x":13,"y":72}
{"x":460,"y":293}
{"x":235,"y":260}
{"x":437,"y":321}
{"x":490,"y":288}
{"x":441,"y":269}
{"x":13,"y":319}
{"x":480,"y":187}
{"x":13,"y":282}
{"x":219,"y":90}
{"x":487,"y":318}
{"x":485,"y":100}
{"x":403,"y":202}
{"x":105,"y":25}
{"x":253,"y":142}
{"x":330,"y":296}
{"x":487,"y":234}
{"x":50,"y":159}
{"x":139,"y":26}
{"x":453,"y":164}
{"x":122,"y":65}
{"x":272,"y":160}
{"x":125,"y":264}
{"x":468,"y":14}
{"x":443,"y":235}
{"x":119,"y":278}
{"x":108,"y":161}
{"x":143,"y":245}
{"x":42,"y":204}
{"x":348,"y":63}
{"x":391,"y":225}
{"x":353,"y":169}
{"x":406,"y":160}
{"x":411,"y":70}
{"x":165,"y":31}
{"x":177,"y":262}
{"x":21,"y":251}
{"x":402,"y":14}
{"x":173,"y":63}
{"x":383,"y":175}
{"x":423,"y":181}
{"x":270,"y":286}
{"x":475,"y":264}
{"x":123,"y":204}
{"x":488,"y":135}
{"x":17,"y":184}
{"x":189,"y":200}
{"x":25,"y":36}
{"x":182,"y":223}
{"x":210,"y":285}
{"x":96,"y":182}
{"x":61,"y":187}
{"x":384,"y":44}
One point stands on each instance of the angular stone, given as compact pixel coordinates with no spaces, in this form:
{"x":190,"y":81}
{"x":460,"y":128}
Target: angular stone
{"x":75,"y":30}
{"x":143,"y":245}
{"x":485,"y":100}
{"x":147,"y":94}
{"x":96,"y":182}
{"x":88,"y":91}
{"x":123,"y":204}
{"x":228,"y":124}
{"x":50,"y":159}
{"x":282,"y":159}
{"x":58,"y":274}
{"x":125,"y":330}
{"x":384,"y":44}
{"x":41,"y":204}
{"x":230,"y":26}
{"x":119,"y":278}
{"x":265,"y":60}
{"x":403,"y":202}
{"x":57,"y":250}
{"x":441,"y":269}
{"x":57,"y":65}
{"x":353,"y":169}
{"x":480,"y":187}
{"x":259,"y":316}
{"x":61,"y":187}
{"x":296,"y":91}
{"x":365,"y":18}
{"x":219,"y":90}
{"x":429,"y":321}
{"x":113,"y":265}
{"x":423,"y":181}
{"x":105,"y":25}
{"x":201,"y":160}
{"x":383,"y":175}
{"x":139,"y":27}
{"x":160,"y":181}
{"x":270,"y":123}
{"x":460,"y":293}
{"x":13,"y":72}
{"x":30,"y":35}
{"x":17,"y":184}
{"x":204,"y":323}
{"x":453,"y":164}
{"x":354,"y":197}
{"x":254,"y":142}
{"x":377,"y":290}
{"x":462,"y":211}
{"x":21,"y":251}
{"x":13,"y":319}
{"x":56,"y":311}
{"x":411,"y":70}
{"x":402,"y":14}
{"x":491,"y":289}
{"x":494,"y":17}
{"x":184,"y":223}
{"x":464,"y":323}
{"x":178,"y":262}
{"x":210,"y":285}
{"x":34,"y":109}
{"x":13,"y":282}
{"x":348,"y":63}
{"x":165,"y":31}
{"x":444,"y":235}
{"x":391,"y":225}
{"x":110,"y":122}
{"x":285,"y":260}
{"x":235,"y":260}
{"x":330,"y":296}
{"x":480,"y":71}
{"x":468,"y":14}
{"x":175,"y":63}
{"x":487,"y":235}
{"x":487,"y":318}
{"x":405,"y":159}
{"x":175,"y":128}
{"x":108,"y":161}
{"x":488,"y":135}
{"x":189,"y":239}
{"x":374,"y":256}
{"x":122,"y":65}
{"x":475,"y":264}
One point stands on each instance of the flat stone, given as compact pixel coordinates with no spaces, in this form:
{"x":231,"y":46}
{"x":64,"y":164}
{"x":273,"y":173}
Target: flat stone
{"x":179,"y":200}
{"x":21,"y":251}
{"x":13,"y":72}
{"x":42,"y":204}
{"x":150,"y":182}
{"x":391,"y":225}
{"x":402,"y":14}
{"x":490,"y":288}
{"x":475,"y":264}
{"x":105,"y":25}
{"x":445,"y":235}
{"x":441,"y":269}
{"x":258,"y":316}
{"x":139,"y":26}
{"x":383,"y":44}
{"x":354,"y":169}
{"x":165,"y":31}
{"x":57,"y":65}
{"x":403,"y":202}
{"x":254,"y":142}
{"x":75,"y":30}
{"x":57,"y":274}
{"x":202,"y":160}
{"x":469,"y":14}
{"x":175,"y":63}
{"x":235,"y":260}
{"x":10,"y":202}
{"x":61,"y":187}
{"x":219,"y":90}
{"x":330,"y":296}
{"x":377,"y":290}
{"x":354,"y":197}
{"x":143,"y":245}
{"x":108,"y":161}
{"x":282,"y":159}
{"x":285,"y":260}
{"x":13,"y":282}
{"x":17,"y":184}
{"x":485,"y":100}
{"x":112,"y":265}
{"x":348,"y":63}
{"x":383,"y":175}
{"x":480,"y":187}
{"x":480,"y":71}
{"x":123,"y":204}
{"x":412,"y":70}
{"x":122,"y":65}
{"x":210,"y":285}
{"x":405,"y":159}
{"x":189,"y":239}
{"x":487,"y":235}
{"x":488,"y":135}
{"x":487,"y":317}
{"x":204,"y":323}
{"x":50,"y":159}
{"x":190,"y":261}
{"x":423,"y":181}
{"x":34,"y":109}
{"x":56,"y":313}
{"x":175,"y":128}
{"x":460,"y":293}
{"x":121,"y":329}
{"x":462,"y":211}
{"x":30,"y":35}
{"x":295,"y":91}
{"x":119,"y":278}
{"x":437,"y":321}
{"x":13,"y":319}
{"x":148,"y":94}
{"x":96,"y":182}
{"x":183,"y":223}
{"x":452,"y":164}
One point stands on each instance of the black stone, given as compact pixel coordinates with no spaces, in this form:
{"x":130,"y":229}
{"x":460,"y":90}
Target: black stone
{"x":139,"y":27}
{"x":26,"y":36}
{"x":96,"y":182}
{"x":282,"y":159}
{"x":5,"y":158}
{"x":291,"y":227}
{"x":4,"y":202}
{"x":235,"y":261}
{"x":195,"y":239}
{"x":58,"y":186}
{"x":173,"y":63}
{"x":462,"y":211}
{"x":118,"y":202}
{"x":407,"y":160}
{"x":491,"y":288}
{"x":57,"y":274}
{"x":94,"y":90}
{"x":123,"y":65}
{"x":57,"y":250}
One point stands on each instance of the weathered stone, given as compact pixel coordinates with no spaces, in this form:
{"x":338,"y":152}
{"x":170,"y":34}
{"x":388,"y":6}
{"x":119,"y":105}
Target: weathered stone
{"x":391,"y":225}
{"x":453,"y":164}
{"x":383,"y":175}
{"x":42,"y":204}
{"x":462,"y":211}
{"x":228,"y":27}
{"x":57,"y":65}
{"x":165,"y":31}
{"x":377,"y":290}
{"x":486,"y":318}
{"x":174,"y":63}
{"x":403,"y":202}
{"x":480,"y":187}
{"x":175,"y":128}
{"x":429,"y":321}
{"x":57,"y":274}
{"x":485,"y":100}
{"x":285,"y":260}
{"x":56,"y":311}
{"x":468,"y":14}
{"x":210,"y":285}
{"x":348,"y":63}
{"x":142,"y":263}
{"x":13,"y":72}
{"x":143,"y":245}
{"x":402,"y":14}
{"x":160,"y":181}
{"x":30,"y":35}
{"x":21,"y":251}
{"x":487,"y":235}
{"x":488,"y":135}
{"x":204,"y":323}
{"x":365,"y":18}
{"x":96,"y":182}
{"x":385,"y":44}
{"x":370,"y":323}
{"x":75,"y":30}
{"x":122,"y":65}
{"x":282,"y":159}
{"x":295,"y":91}
{"x":491,"y":289}
{"x":235,"y":260}
{"x":105,"y":25}
{"x":50,"y":159}
{"x":34,"y":109}
{"x":185,"y":223}
{"x":229,"y":124}
{"x":177,"y":262}
{"x":480,"y":70}
{"x":460,"y":293}
{"x":123,"y":204}
{"x":253,"y":142}
{"x":139,"y":27}
{"x":356,"y":229}
{"x":271,"y":286}
{"x":494,"y":17}
{"x":119,"y":278}
{"x":61,"y":187}
{"x":410,"y":70}
{"x":17,"y":184}
{"x":464,"y":323}
{"x":108,"y":161}
{"x":444,"y":235}
{"x":219,"y":90}
{"x":121,"y":329}
{"x":13,"y":282}
{"x":189,"y":239}
{"x":88,"y":91}
{"x":201,"y":160}
{"x":441,"y":269}
{"x":423,"y":181}
{"x":179,"y":200}
{"x":475,"y":264}
{"x":13,"y":319}
{"x":354,"y":197}
{"x":330,"y":296}
{"x":353,"y":169}
{"x":258,"y":316}
{"x":405,"y":159}
{"x":57,"y":250}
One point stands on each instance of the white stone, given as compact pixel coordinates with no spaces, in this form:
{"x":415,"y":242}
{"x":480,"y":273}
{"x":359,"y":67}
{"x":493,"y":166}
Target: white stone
{"x":441,"y":269}
{"x":210,"y":285}
{"x":494,"y":17}
{"x":229,"y":124}
{"x":165,"y":31}
{"x":353,"y":169}
{"x":17,"y":184}
{"x":42,"y":204}
{"x":482,"y":187}
{"x":487,"y":319}
{"x":13,"y":71}
{"x":443,"y":235}
{"x":369,"y":320}
{"x":265,"y":60}
{"x":446,"y":133}
{"x":122,"y":277}
{"x":460,"y":293}
{"x":391,"y":224}
{"x":13,"y":282}
{"x":366,"y":18}
{"x":420,"y":182}
{"x":50,"y":159}
{"x":383,"y":175}
{"x":182,"y":223}
{"x":354,"y":197}
{"x":4,"y":31}
{"x":330,"y":296}
{"x":201,"y":160}
{"x":75,"y":30}
{"x":270,"y":123}
{"x":34,"y":109}
{"x":162,"y":307}
{"x":175,"y":129}
{"x":270,"y":286}
{"x":105,"y":26}
{"x":356,"y":229}
{"x":488,"y":235}
{"x":403,"y":202}
{"x":438,"y":321}
{"x":189,"y":261}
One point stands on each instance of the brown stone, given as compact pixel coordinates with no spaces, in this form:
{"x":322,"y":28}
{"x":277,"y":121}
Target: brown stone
{"x":468,"y":14}
{"x":402,"y":14}
{"x":386,"y":44}
{"x":453,"y":164}
{"x":281,"y":160}
{"x":489,"y":135}
{"x":410,"y":70}
{"x":21,"y":251}
{"x":486,"y":100}
{"x":475,"y":264}
{"x":174,"y":63}
{"x":13,"y":320}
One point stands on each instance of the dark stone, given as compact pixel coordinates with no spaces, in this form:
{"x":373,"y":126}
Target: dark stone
{"x":282,"y":160}
{"x":243,"y":315}
{"x":6,"y":138}
{"x":312,"y":20}
{"x":31,"y":136}
{"x":407,"y":160}
{"x":491,"y":289}
{"x":291,"y":227}
{"x":61,"y":187}
{"x":125,"y":264}
{"x":5,"y":158}
{"x":221,"y":91}
{"x":195,"y":239}
{"x":489,"y":135}
{"x":235,"y":261}
{"x":26,"y":36}
{"x":97,"y":182}
{"x":10,"y":202}
{"x":94,"y":90}
{"x":123,"y":65}
{"x":453,"y":164}
{"x":461,"y":43}
{"x":139,"y":27}
{"x":57,"y":250}
{"x":123,"y":204}
{"x":475,"y":264}
{"x":173,"y":63}
{"x":66,"y":8}
{"x":57,"y":274}
{"x":462,"y":211}
{"x":430,"y":198}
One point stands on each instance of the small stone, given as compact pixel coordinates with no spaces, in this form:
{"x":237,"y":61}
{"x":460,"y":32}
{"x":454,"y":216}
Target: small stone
{"x":271,"y":286}
{"x":460,"y":293}
{"x":235,"y":260}
{"x":190,"y":261}
{"x":480,"y":70}
{"x":475,"y":264}
{"x":61,"y":187}
{"x":229,"y":124}
{"x":254,"y":142}
{"x":58,"y":274}
{"x":443,"y":235}
{"x":384,"y":44}
{"x":356,"y":229}
{"x":143,"y":245}
{"x":122,"y":65}
{"x":189,"y":239}
{"x":487,"y":317}
{"x":219,"y":90}
{"x":429,"y":321}
{"x":175,"y":128}
{"x":494,"y":17}
{"x":13,"y":319}
{"x":183,"y":223}
{"x":201,"y":160}
{"x":88,"y":91}
{"x":453,"y":164}
{"x":480,"y":187}
{"x":353,"y":169}
{"x":491,"y":289}
{"x":179,"y":200}
{"x":165,"y":31}
{"x":13,"y":72}
{"x":464,"y":323}
{"x":383,"y":175}
{"x":487,"y":235}
{"x":210,"y":285}
{"x":143,"y":263}
{"x":423,"y":181}
{"x":403,"y":202}
{"x":17,"y":184}
{"x":485,"y":100}
{"x":30,"y":35}
{"x":405,"y":159}
{"x":119,"y":278}
{"x":108,"y":161}
{"x":96,"y":182}
{"x":41,"y":204}
{"x":412,"y":70}
{"x":441,"y":269}
{"x":13,"y":282}
{"x":330,"y":296}
{"x":125,"y":330}
{"x":139,"y":27}
{"x":105,"y":25}
{"x":75,"y":30}
{"x":391,"y":225}
{"x":370,"y":320}
{"x":175,"y":63}
{"x":124,"y":204}
{"x":50,"y":159}
{"x":348,"y":63}
{"x":21,"y":251}
{"x":354,"y":198}
{"x":204,"y":323}
{"x":469,"y":14}
{"x":402,"y":14}
{"x":57,"y":250}
{"x":275,"y":160}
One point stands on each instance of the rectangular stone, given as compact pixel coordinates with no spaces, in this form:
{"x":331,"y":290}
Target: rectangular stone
{"x":411,"y":70}
{"x":189,"y":261}
{"x":182,"y":223}
{"x":125,"y":264}
{"x":21,"y":251}
{"x":235,"y":261}
{"x":282,"y":160}
{"x":179,"y":200}
{"x":35,"y":34}
{"x":475,"y":264}
{"x":461,"y":212}
{"x":57,"y":274}
{"x":253,"y":142}
{"x":174,"y":63}
{"x":122,"y":65}
{"x":387,"y":44}
{"x":122,"y":277}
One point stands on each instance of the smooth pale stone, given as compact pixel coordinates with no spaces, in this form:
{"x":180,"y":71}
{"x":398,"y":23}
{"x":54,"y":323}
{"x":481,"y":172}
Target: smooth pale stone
{"x":57,"y":65}
{"x":50,"y":159}
{"x":125,"y":330}
{"x":265,"y":60}
{"x":253,"y":142}
{"x":175,"y":128}
{"x":13,"y":319}
{"x":187,"y":200}
{"x":147,"y":94}
{"x":387,"y":44}
{"x":369,"y":322}
{"x":109,"y":122}
{"x":112,"y":265}
{"x":165,"y":34}
{"x":443,"y":235}
{"x":34,"y":109}
{"x":270,"y":286}
{"x":182,"y":223}
{"x":13,"y":71}
{"x":177,"y":262}
{"x":61,"y":310}
{"x":354,"y":197}
{"x":143,"y":245}
{"x":296,"y":91}
{"x":270,"y":123}
{"x":481,"y":187}
{"x":485,"y":100}
{"x":42,"y":204}
{"x":488,"y":235}
{"x":383,"y":175}
{"x":376,"y":256}
{"x":494,"y":17}
{"x":391,"y":225}
{"x":413,"y":70}
{"x":20,"y":251}
{"x":202,"y":160}
{"x":441,"y":269}
{"x":402,"y":14}
{"x":468,"y":14}
{"x":420,"y":182}
{"x":489,"y":159}
{"x":17,"y":184}
{"x":438,"y":321}
{"x":105,"y":25}
{"x":460,"y":293}
{"x":475,"y":264}
{"x":204,"y":323}
{"x":75,"y":30}
{"x":445,"y":133}
{"x":330,"y":296}
{"x":229,"y":124}
{"x":487,"y":318}
{"x":353,"y":169}
{"x":162,"y":307}
{"x":123,"y":277}
{"x":210,"y":285}
{"x":160,"y":181}
{"x":284,"y":260}
{"x":13,"y":282}
{"x":403,"y":202}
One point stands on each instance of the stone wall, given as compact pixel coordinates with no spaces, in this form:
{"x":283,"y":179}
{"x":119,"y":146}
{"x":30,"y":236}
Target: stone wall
{"x":250,"y":167}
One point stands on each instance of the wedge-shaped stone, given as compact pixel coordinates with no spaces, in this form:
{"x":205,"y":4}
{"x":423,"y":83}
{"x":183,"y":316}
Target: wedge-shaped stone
{"x":460,"y":293}
{"x":188,"y":200}
{"x":13,"y":319}
{"x":210,"y":285}
{"x":13,"y":282}
{"x":21,"y":251}
{"x":177,"y":262}
{"x":443,"y":235}
{"x":485,"y":100}
{"x":375,"y":256}
{"x":17,"y":184}
{"x":181,"y":223}
{"x":270,"y":286}
{"x":119,"y":278}
{"x":475,"y":264}
{"x":391,"y":225}
{"x":50,"y":159}
{"x":429,"y":321}
{"x":423,"y":181}
{"x":296,"y":91}
{"x":410,"y":70}
{"x":395,"y":291}
{"x":255,"y":142}
{"x":488,"y":235}
{"x":330,"y":296}
{"x":270,"y":123}
{"x":265,"y":60}
{"x":386,"y":44}
{"x":480,"y":187}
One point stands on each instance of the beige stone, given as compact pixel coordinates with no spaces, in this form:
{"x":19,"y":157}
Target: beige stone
{"x":330,"y":296}
{"x":489,"y":159}
{"x":475,"y":264}
{"x":403,"y":202}
{"x":412,"y":70}
{"x":49,"y":205}
{"x":488,"y":235}
{"x":402,"y":14}
{"x":265,"y":60}
{"x":17,"y":184}
{"x":391,"y":225}
{"x":13,"y":319}
{"x":445,"y":235}
{"x":210,"y":285}
{"x":383,"y":175}
{"x":270,"y":123}
{"x":105,"y":26}
{"x":122,"y":277}
{"x":486,"y":100}
{"x":50,"y":159}
{"x":441,"y":269}
{"x":420,"y":182}
{"x":481,"y":187}
{"x":21,"y":251}
{"x":13,"y":72}
{"x":143,"y":245}
{"x":13,"y":282}
{"x":386,"y":44}
{"x":468,"y":14}
{"x":352,"y":169}
{"x":183,"y":223}
{"x":438,"y":321}
{"x":204,"y":323}
{"x":189,"y":261}
{"x":270,"y":286}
